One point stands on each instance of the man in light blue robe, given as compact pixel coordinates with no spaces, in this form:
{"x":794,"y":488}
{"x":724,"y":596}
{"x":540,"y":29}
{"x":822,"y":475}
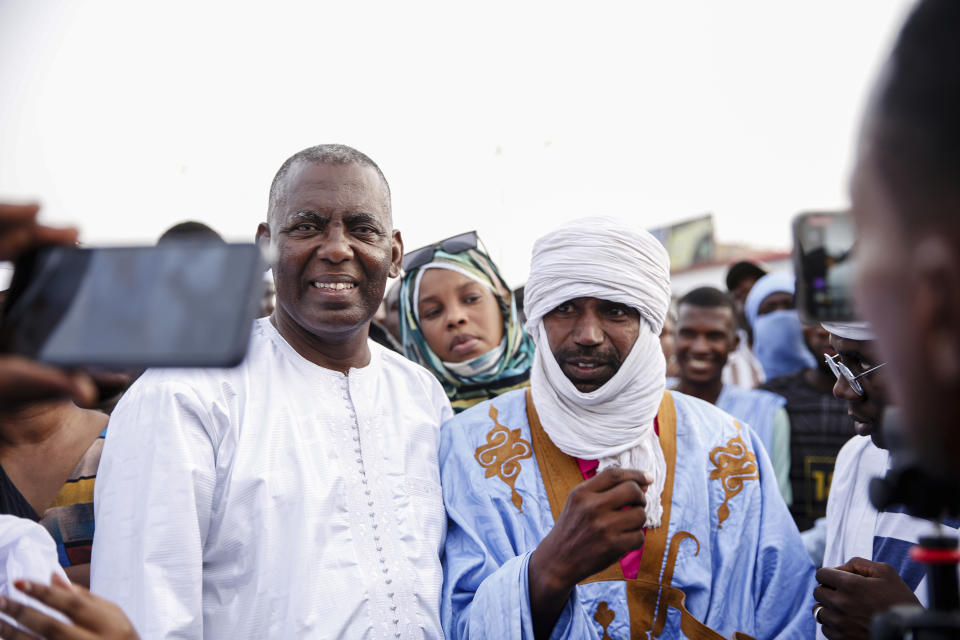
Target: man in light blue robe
{"x":707,"y":548}
{"x":705,"y":337}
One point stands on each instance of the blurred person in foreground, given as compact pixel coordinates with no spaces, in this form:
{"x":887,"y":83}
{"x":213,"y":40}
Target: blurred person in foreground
{"x":906,"y":208}
{"x":777,"y":333}
{"x":535,"y":481}
{"x":26,"y":548}
{"x":459,"y":320}
{"x":705,"y":338}
{"x":819,"y":426}
{"x":867,"y":565}
{"x":297,"y":494}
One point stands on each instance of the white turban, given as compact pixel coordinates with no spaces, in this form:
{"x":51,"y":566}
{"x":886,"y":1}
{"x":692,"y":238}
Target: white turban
{"x":607,"y":259}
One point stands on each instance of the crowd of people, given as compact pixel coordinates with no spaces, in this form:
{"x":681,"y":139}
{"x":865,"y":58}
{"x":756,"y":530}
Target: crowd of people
{"x":445,"y":457}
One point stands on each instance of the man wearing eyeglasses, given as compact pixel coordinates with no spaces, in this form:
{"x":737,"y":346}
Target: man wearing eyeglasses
{"x":867,"y":567}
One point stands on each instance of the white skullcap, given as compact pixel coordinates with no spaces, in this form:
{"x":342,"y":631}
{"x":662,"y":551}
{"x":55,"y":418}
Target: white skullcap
{"x":599,"y":258}
{"x":860,"y":331}
{"x":606,"y":259}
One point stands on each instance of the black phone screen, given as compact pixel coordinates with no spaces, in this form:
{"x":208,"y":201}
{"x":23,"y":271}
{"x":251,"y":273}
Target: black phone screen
{"x":823,"y":261}
{"x":187,"y":304}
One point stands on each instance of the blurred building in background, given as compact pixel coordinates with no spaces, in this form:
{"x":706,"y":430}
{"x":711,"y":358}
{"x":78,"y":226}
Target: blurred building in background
{"x":697,"y":259}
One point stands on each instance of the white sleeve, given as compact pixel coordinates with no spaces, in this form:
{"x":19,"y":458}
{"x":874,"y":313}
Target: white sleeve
{"x":153,"y":501}
{"x":26,"y":552}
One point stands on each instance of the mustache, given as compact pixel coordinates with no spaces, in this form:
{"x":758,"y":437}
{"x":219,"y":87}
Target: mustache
{"x":606,"y":355}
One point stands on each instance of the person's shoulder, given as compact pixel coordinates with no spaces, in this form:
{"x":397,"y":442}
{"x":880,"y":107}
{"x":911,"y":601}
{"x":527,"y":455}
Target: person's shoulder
{"x":710,"y":422}
{"x":691,"y":410}
{"x":409,"y":379}
{"x":693,"y":406}
{"x":395,"y":360}
{"x":207,"y":382}
{"x":509,"y":402}
{"x":507,"y":410}
{"x":853,"y":449}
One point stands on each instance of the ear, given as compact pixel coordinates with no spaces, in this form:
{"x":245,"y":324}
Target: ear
{"x":263,"y":235}
{"x":263,"y":239}
{"x":396,"y":256}
{"x":735,"y":343}
{"x":936,"y":308}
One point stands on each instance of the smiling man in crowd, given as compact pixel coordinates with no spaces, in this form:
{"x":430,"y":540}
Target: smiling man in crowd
{"x":296,"y":495}
{"x":705,"y":337}
{"x":535,"y":481}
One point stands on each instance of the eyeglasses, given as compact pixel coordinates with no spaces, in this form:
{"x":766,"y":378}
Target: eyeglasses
{"x":453,"y":244}
{"x":840,"y":369}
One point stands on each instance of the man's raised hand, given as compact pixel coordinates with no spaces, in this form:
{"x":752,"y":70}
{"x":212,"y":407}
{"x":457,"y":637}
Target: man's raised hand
{"x":593,"y":531}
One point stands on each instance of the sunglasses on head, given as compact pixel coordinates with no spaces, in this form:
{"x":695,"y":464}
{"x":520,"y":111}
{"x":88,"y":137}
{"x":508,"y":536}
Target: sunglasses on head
{"x":453,"y":244}
{"x":841,"y":370}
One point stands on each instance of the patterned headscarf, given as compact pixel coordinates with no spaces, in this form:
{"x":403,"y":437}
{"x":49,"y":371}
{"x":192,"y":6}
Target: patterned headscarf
{"x":513,"y":368}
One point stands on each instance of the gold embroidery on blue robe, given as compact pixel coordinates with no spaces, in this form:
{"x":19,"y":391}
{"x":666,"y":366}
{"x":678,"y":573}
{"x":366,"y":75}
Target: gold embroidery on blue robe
{"x":501,"y":455}
{"x":734,"y":466}
{"x":604,"y":617}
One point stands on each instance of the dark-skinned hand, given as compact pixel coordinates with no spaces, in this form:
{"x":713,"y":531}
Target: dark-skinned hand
{"x":593,"y":531}
{"x":93,"y":617}
{"x":22,"y":380}
{"x":853,"y":593}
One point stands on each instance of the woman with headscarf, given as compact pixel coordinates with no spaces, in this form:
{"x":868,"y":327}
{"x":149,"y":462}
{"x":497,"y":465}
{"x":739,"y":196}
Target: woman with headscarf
{"x":458,"y":318}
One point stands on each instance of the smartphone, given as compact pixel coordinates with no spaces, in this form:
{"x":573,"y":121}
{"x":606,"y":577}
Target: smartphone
{"x":823,"y":261}
{"x":180,"y":304}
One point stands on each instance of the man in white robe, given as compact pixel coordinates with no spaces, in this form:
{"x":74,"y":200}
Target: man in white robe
{"x":296,"y":495}
{"x":536,"y":482}
{"x":867,"y":564}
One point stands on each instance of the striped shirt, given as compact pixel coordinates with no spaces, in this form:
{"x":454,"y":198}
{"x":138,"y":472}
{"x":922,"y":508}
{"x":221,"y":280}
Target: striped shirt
{"x":69,"y":518}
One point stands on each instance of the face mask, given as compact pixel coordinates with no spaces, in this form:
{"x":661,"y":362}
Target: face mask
{"x":483,"y":363}
{"x":778,"y":344}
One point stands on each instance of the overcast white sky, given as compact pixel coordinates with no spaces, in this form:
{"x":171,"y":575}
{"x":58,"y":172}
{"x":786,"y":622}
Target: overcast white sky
{"x":508,"y":117}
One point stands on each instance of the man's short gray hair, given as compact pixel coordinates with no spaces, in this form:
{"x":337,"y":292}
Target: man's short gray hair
{"x":323,"y":154}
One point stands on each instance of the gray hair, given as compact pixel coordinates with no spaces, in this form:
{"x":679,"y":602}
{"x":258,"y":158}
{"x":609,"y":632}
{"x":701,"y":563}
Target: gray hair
{"x":323,"y":154}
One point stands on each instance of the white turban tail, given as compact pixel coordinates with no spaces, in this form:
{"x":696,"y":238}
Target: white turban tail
{"x":607,"y":259}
